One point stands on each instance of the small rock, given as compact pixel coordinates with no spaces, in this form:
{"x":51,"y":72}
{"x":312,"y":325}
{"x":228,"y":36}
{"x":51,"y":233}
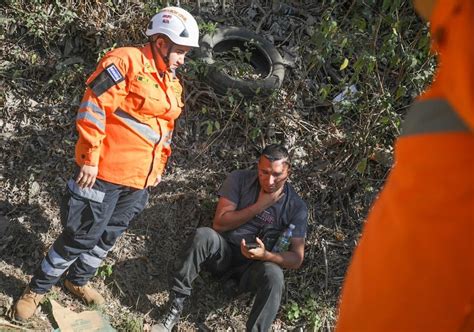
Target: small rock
{"x":34,"y":189}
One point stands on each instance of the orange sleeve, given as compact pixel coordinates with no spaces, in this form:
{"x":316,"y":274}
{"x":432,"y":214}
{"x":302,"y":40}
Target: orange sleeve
{"x":103,"y":95}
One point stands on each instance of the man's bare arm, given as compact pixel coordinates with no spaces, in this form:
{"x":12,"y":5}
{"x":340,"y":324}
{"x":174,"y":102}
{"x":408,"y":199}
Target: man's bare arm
{"x":227,"y":217}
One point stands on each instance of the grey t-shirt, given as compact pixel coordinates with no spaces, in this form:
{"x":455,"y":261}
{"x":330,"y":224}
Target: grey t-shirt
{"x":242,"y":188}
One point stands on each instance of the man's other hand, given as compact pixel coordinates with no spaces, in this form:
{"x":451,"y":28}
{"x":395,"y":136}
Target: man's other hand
{"x":255,"y":253}
{"x":87,"y":176}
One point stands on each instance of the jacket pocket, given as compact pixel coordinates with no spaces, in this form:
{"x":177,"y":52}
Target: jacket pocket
{"x":148,"y":101}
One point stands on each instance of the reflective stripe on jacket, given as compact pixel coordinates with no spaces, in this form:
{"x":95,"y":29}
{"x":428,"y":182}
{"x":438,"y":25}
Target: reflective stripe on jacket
{"x":126,"y":130}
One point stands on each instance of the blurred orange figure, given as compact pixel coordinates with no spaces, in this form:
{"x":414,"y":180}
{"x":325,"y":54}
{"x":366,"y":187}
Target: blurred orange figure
{"x":414,"y":267}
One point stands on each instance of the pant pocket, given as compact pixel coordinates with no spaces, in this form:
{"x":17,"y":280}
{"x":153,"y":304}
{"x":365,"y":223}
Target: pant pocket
{"x":78,"y":217}
{"x":81,"y":217}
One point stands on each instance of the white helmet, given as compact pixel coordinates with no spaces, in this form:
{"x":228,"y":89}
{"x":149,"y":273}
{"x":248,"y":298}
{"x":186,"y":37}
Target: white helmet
{"x":176,"y":23}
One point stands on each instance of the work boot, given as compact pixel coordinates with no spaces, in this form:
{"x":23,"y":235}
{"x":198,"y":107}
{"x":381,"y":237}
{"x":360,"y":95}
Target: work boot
{"x":172,"y":317}
{"x":86,"y":293}
{"x":26,"y":305}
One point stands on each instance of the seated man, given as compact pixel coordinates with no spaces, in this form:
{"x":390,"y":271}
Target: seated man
{"x":254,"y":209}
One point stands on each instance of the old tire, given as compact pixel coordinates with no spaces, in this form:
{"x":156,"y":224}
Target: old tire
{"x":265,"y":59}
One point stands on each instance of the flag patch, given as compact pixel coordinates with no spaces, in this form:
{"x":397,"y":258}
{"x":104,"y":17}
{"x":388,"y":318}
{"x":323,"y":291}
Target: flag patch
{"x":106,"y":79}
{"x":114,"y":73}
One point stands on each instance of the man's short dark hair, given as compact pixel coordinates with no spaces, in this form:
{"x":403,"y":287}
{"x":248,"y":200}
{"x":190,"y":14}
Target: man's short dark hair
{"x":274,"y":152}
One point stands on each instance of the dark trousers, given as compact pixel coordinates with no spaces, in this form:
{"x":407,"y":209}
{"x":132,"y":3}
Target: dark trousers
{"x":208,"y":249}
{"x":90,"y":231}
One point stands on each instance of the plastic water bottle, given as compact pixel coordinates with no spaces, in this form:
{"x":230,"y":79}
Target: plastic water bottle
{"x":283,"y":242}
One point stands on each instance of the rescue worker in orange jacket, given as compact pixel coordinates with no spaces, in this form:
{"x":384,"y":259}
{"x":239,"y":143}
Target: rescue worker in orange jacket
{"x":125,"y":123}
{"x":414,"y":267}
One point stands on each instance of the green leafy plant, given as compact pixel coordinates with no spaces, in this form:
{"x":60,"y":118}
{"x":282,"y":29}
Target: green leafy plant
{"x":211,"y":126}
{"x":131,"y":323}
{"x":104,"y":271}
{"x":236,"y":61}
{"x":194,"y":69}
{"x":317,"y":314}
{"x":293,"y":311}
{"x":38,"y":21}
{"x":207,"y":28}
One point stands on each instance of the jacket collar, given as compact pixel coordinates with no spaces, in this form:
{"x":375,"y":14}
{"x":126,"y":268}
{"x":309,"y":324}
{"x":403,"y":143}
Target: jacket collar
{"x":149,"y":62}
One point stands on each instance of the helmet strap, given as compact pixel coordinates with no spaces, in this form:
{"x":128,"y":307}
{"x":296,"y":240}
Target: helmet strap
{"x":161,"y":60}
{"x":170,"y":49}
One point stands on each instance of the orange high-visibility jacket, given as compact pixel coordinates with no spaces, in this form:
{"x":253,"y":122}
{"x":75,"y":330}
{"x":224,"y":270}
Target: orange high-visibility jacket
{"x":126,"y":118}
{"x":413,"y":269}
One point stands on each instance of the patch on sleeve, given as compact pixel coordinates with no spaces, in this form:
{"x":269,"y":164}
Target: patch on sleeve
{"x":114,"y":73}
{"x":109,"y":77}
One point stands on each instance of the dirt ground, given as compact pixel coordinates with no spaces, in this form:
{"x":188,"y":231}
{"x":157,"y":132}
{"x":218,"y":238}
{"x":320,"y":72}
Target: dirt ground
{"x":341,"y":154}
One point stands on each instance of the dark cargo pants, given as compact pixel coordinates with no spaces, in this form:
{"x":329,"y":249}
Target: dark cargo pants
{"x":93,"y":220}
{"x":208,"y":249}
